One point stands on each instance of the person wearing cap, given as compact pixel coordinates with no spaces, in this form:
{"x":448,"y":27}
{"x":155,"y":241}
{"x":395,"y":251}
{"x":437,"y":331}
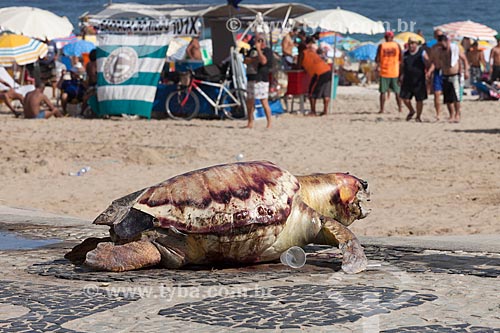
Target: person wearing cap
{"x":321,"y":77}
{"x":495,"y":61}
{"x":388,"y":59}
{"x":451,"y":58}
{"x":73,"y":88}
{"x":413,"y":78}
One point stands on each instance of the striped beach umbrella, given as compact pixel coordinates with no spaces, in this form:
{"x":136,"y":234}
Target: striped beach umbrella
{"x":468,"y":29}
{"x":21,"y":50}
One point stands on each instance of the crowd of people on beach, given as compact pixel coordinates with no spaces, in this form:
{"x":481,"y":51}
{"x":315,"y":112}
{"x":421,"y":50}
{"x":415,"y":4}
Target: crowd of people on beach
{"x":69,"y":86}
{"x":441,"y":68}
{"x":412,"y":72}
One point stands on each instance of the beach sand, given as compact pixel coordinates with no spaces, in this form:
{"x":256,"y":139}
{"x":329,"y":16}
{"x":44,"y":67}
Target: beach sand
{"x":426,"y":178}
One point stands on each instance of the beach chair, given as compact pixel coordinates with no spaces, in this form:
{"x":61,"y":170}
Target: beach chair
{"x":5,"y":76}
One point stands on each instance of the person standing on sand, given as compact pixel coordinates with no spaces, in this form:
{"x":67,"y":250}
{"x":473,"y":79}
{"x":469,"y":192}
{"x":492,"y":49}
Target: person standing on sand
{"x":193,"y":50}
{"x":321,"y":77}
{"x":34,"y":101}
{"x":287,"y":45}
{"x":449,"y":56}
{"x":495,"y":61}
{"x":413,"y":78}
{"x":388,"y":60}
{"x":258,"y":64}
{"x":475,"y":57}
{"x":437,"y":75}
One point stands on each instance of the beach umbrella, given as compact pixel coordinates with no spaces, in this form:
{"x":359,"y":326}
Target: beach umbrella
{"x":78,"y":47}
{"x":35,"y":22}
{"x":21,"y":50}
{"x":341,"y":21}
{"x":404,"y":36}
{"x":60,"y":42}
{"x":348,"y":43}
{"x":330,"y":37}
{"x":365,"y":51}
{"x":468,"y":29}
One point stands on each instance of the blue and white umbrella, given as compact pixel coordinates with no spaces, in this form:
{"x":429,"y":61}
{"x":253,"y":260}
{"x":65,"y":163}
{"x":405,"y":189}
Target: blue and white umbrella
{"x":366,"y":51}
{"x":78,"y":47}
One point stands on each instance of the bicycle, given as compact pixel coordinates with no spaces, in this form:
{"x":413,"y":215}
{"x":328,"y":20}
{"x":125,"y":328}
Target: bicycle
{"x":184,"y":103}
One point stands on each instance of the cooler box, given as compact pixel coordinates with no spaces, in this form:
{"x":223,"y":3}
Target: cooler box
{"x":298,"y":82}
{"x":185,"y":65}
{"x":276,"y":109}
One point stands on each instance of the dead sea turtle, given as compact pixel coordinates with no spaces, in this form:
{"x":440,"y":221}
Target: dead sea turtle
{"x":241,"y":213}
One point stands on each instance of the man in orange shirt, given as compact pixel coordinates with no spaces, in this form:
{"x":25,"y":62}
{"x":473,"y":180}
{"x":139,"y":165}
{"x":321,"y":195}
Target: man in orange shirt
{"x":389,"y":58}
{"x":321,"y":77}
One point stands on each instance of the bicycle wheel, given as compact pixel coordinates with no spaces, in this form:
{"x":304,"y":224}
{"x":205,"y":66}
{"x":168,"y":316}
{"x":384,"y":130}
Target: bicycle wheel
{"x":182,"y":104}
{"x":234,"y":110}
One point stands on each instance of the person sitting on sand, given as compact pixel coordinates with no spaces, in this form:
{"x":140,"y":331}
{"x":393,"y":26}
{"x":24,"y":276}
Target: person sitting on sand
{"x":388,"y":59}
{"x":7,"y":94}
{"x":495,"y":61}
{"x":450,"y":57}
{"x":33,"y":103}
{"x":73,"y":90}
{"x":321,"y":77}
{"x":413,"y":78}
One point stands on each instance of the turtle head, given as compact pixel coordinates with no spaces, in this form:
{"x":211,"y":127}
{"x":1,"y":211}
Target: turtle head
{"x":118,"y":209}
{"x":337,"y":195}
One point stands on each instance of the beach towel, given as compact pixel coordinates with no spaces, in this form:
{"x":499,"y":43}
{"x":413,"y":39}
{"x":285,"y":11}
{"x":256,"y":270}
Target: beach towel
{"x":455,"y":52}
{"x":128,"y":72}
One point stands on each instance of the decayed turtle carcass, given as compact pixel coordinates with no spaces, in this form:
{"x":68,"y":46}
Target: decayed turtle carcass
{"x":233,"y":213}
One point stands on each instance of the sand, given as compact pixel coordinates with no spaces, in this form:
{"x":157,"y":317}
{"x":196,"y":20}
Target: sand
{"x":427,"y":178}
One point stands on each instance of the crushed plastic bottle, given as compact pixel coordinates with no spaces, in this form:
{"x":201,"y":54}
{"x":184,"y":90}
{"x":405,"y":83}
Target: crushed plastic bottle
{"x":294,"y":257}
{"x":80,"y":172}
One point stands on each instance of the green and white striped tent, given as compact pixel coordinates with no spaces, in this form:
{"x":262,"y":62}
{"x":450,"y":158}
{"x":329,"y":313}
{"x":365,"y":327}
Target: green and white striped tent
{"x":129,"y":68}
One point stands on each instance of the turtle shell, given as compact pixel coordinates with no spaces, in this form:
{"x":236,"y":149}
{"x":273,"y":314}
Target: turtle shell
{"x":221,"y":200}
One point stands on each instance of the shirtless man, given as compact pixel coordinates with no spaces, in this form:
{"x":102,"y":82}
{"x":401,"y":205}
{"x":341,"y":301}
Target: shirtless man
{"x":475,"y":57}
{"x":33,"y":103}
{"x":437,"y":77}
{"x":450,"y":58}
{"x":193,"y":50}
{"x":495,"y":61}
{"x":287,"y":45}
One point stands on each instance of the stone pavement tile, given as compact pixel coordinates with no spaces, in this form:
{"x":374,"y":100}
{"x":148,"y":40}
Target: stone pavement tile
{"x":406,"y":288}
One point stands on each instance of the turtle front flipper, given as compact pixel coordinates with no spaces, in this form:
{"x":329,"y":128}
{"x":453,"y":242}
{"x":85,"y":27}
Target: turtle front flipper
{"x":335,"y":233}
{"x":126,"y":257}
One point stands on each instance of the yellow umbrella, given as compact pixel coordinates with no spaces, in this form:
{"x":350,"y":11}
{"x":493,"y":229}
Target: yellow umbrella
{"x":404,"y":36}
{"x":21,"y":50}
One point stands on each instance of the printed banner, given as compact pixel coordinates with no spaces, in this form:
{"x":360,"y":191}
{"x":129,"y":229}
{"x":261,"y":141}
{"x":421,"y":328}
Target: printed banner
{"x":128,"y":71}
{"x":187,"y":26}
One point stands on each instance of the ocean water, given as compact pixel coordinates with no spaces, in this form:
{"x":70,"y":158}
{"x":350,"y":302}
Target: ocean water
{"x":397,"y":15}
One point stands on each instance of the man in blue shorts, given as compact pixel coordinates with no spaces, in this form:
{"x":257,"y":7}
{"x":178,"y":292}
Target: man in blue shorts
{"x":437,"y":78}
{"x":33,"y":102}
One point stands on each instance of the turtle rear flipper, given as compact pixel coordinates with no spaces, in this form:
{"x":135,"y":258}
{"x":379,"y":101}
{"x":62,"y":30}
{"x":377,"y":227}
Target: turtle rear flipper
{"x":126,"y":257}
{"x":336,"y":234}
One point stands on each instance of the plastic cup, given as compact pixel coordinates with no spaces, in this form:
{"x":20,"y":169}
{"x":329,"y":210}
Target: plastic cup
{"x":294,"y":257}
